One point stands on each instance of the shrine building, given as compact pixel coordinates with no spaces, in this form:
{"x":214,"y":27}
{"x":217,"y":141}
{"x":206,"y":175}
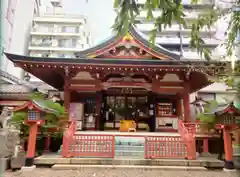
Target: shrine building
{"x":124,"y":78}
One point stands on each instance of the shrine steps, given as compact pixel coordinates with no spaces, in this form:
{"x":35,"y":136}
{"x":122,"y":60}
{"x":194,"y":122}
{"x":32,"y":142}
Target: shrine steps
{"x":79,"y":167}
{"x":57,"y":162}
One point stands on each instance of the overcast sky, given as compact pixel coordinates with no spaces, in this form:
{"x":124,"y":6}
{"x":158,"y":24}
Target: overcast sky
{"x":99,"y":13}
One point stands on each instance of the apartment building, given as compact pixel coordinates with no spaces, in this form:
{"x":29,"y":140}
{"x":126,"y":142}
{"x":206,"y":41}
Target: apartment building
{"x":176,"y":38}
{"x":16,"y":23}
{"x":56,"y":34}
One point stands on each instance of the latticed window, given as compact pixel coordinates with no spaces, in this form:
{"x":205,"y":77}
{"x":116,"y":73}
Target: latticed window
{"x":32,"y":115}
{"x":229,"y":119}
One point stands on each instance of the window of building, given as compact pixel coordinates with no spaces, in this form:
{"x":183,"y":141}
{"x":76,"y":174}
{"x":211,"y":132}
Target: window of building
{"x":64,"y":29}
{"x":45,"y":28}
{"x":61,"y":55}
{"x":46,"y":42}
{"x":68,"y":43}
{"x":77,"y":30}
{"x":207,"y":96}
{"x":69,"y":29}
{"x":74,"y":42}
{"x":61,"y":43}
{"x":87,"y":40}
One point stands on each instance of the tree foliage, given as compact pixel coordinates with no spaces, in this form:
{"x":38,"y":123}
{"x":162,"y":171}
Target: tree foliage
{"x":172,"y":11}
{"x":207,"y":116}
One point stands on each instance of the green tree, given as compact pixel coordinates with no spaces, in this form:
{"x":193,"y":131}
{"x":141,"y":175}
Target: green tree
{"x":233,"y":81}
{"x":172,"y":11}
{"x":207,"y":117}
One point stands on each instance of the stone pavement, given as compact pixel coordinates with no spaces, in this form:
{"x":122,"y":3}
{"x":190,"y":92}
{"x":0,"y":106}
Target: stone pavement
{"x":88,"y":172}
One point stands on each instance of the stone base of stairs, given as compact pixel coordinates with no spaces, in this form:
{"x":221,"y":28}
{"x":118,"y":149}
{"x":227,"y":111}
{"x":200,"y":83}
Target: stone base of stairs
{"x":53,"y":160}
{"x":78,"y":167}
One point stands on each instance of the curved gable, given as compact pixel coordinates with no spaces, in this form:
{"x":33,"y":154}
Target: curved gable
{"x":133,"y":45}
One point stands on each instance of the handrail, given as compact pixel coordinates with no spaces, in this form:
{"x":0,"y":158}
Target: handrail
{"x":189,"y":138}
{"x":67,"y":138}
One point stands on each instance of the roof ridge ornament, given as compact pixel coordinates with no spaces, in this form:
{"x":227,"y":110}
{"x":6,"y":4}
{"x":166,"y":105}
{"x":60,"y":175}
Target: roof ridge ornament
{"x":127,"y":37}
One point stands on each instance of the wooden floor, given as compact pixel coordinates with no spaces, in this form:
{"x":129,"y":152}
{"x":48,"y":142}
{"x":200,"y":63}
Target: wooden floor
{"x":127,"y":133}
{"x":139,"y":133}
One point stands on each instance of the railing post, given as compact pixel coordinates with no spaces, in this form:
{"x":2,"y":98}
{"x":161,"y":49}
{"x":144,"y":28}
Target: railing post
{"x":113,"y":146}
{"x":65,"y":145}
{"x":146,"y":148}
{"x":191,"y":144}
{"x":68,"y":135}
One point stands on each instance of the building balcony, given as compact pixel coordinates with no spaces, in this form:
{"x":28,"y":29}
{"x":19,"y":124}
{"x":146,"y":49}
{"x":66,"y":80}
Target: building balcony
{"x":59,"y":18}
{"x":38,"y":33}
{"x":184,"y":41}
{"x":184,"y":2}
{"x":64,"y":49}
{"x":175,"y":30}
{"x":189,"y":13}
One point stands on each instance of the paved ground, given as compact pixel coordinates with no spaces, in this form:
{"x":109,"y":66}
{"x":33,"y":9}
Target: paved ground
{"x":120,"y":173}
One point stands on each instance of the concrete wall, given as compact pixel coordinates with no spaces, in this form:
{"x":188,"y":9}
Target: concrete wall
{"x":16,"y":30}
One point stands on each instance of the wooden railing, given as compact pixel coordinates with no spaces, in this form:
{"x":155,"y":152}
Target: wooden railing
{"x":188,"y":136}
{"x":106,"y":145}
{"x":154,"y":146}
{"x":198,"y":128}
{"x":165,"y":147}
{"x":68,"y":139}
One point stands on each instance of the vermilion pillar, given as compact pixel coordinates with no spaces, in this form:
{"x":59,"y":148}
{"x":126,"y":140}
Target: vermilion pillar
{"x":205,"y":145}
{"x":98,"y":110}
{"x":47,"y":143}
{"x":179,"y":107}
{"x":228,"y":149}
{"x":31,"y":144}
{"x":67,"y":94}
{"x":186,"y":105}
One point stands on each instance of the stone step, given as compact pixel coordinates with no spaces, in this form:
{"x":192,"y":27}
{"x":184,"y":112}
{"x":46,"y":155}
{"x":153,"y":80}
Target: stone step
{"x":57,"y":160}
{"x":77,"y":167}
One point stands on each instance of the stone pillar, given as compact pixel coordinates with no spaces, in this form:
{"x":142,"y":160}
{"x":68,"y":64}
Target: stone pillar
{"x":31,"y":150}
{"x":229,"y":165}
{"x":186,"y":105}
